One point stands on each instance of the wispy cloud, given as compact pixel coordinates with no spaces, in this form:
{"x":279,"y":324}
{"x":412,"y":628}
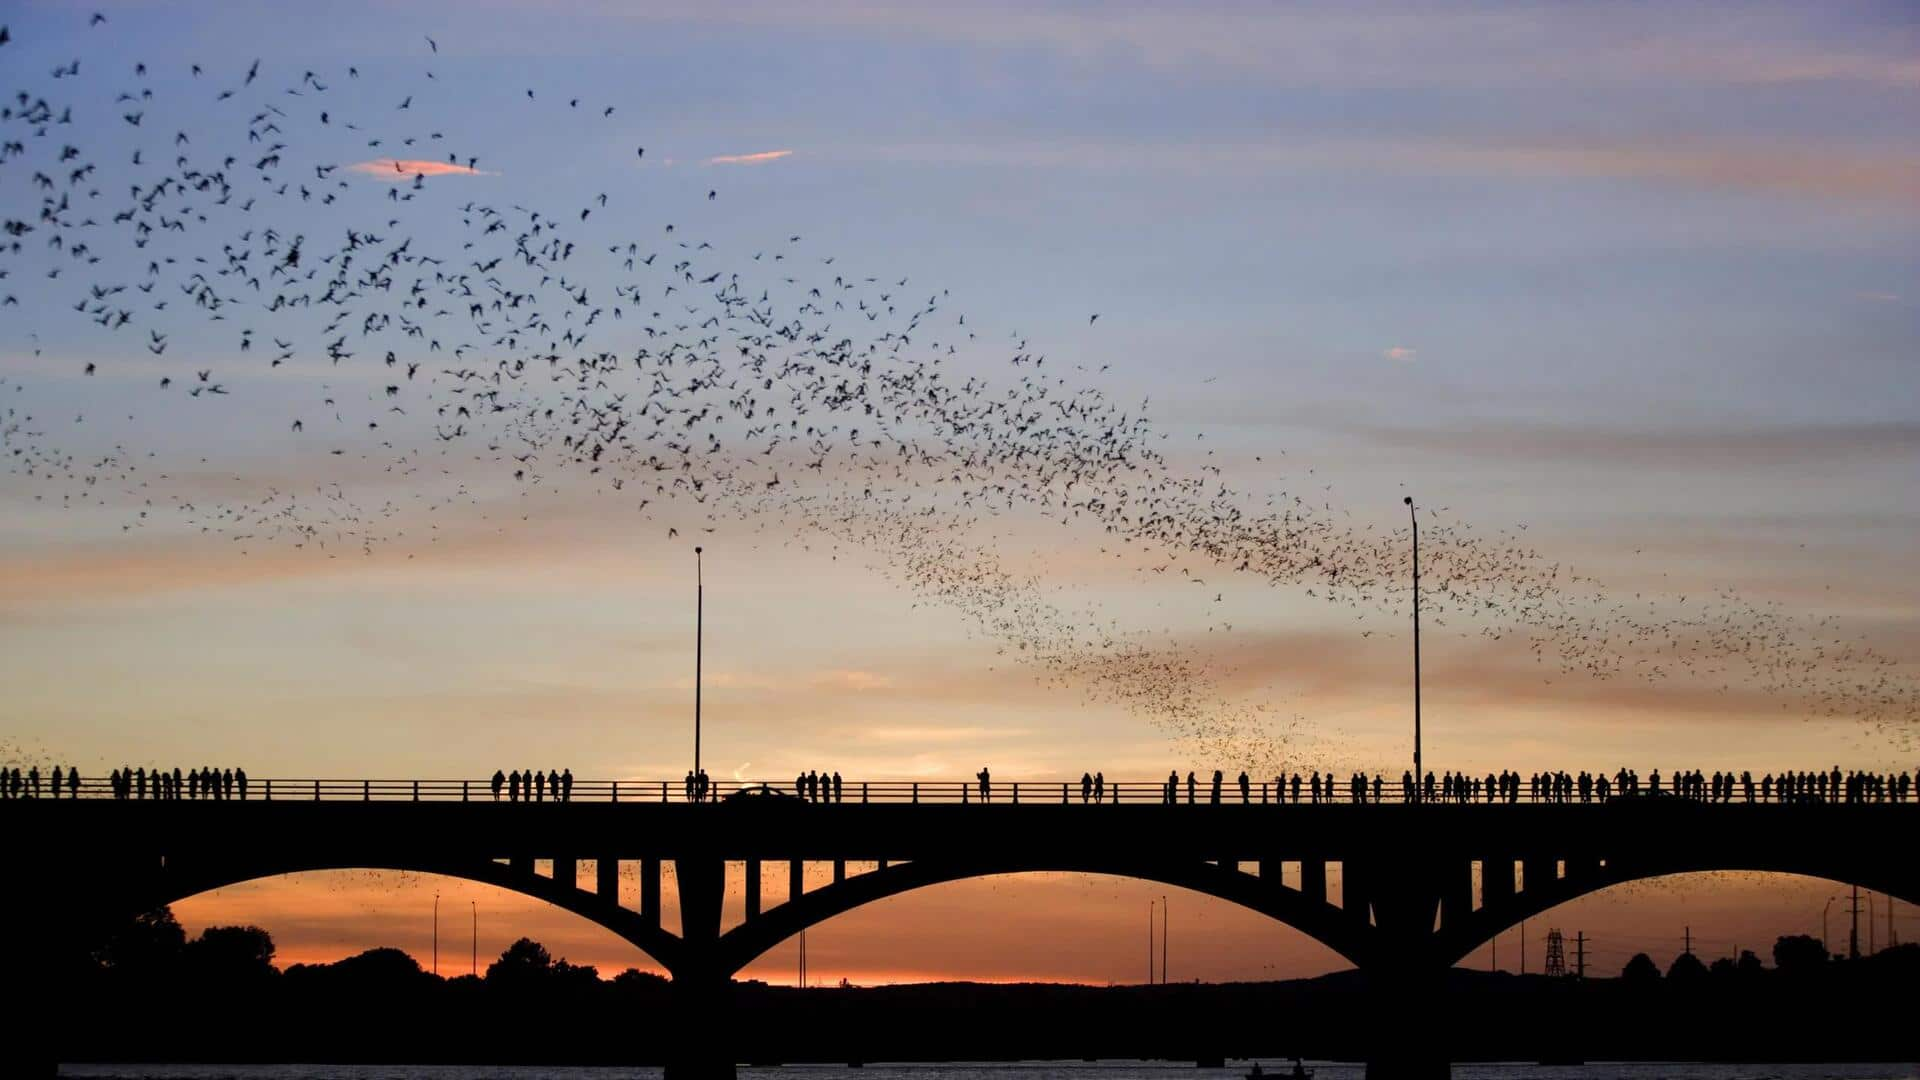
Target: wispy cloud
{"x":1399,"y":352}
{"x":760,"y":158}
{"x":407,"y":169}
{"x":1838,"y":171}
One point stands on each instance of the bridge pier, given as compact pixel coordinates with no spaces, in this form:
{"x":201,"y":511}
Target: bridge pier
{"x":1404,"y":891}
{"x":1410,"y":1002}
{"x":702,"y":1047}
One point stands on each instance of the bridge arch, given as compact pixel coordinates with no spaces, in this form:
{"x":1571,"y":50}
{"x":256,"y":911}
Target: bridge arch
{"x":177,"y":883}
{"x":1455,"y":943}
{"x":1342,"y":931}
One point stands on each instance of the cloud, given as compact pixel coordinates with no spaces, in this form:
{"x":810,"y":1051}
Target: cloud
{"x":1699,"y":447}
{"x":760,"y":158}
{"x":1399,"y":352}
{"x":408,"y":168}
{"x":1804,"y":168}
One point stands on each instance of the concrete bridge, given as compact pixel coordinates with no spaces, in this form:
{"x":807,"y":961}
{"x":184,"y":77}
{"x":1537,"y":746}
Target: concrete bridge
{"x":1419,"y":886}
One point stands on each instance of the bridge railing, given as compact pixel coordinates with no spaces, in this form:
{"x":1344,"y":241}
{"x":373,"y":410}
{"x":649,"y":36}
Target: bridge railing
{"x":1268,"y":793}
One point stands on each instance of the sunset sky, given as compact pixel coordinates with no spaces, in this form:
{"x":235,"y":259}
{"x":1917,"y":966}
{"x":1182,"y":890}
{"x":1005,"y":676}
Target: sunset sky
{"x":1641,"y":279}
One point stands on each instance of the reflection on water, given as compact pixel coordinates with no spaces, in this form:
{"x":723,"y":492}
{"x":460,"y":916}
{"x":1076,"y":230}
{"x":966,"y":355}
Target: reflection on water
{"x":1033,"y":1070}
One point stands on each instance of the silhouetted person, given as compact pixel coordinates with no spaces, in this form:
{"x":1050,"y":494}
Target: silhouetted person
{"x":800,"y":785}
{"x":1173,"y":787}
{"x":1099,"y":786}
{"x":499,"y":781}
{"x":1245,"y":788}
{"x":176,"y":783}
{"x":1086,"y":786}
{"x":1190,"y":787}
{"x":836,"y":787}
{"x":566,"y":785}
{"x":58,"y":780}
{"x":513,"y":786}
{"x":539,"y":787}
{"x":226,"y":783}
{"x":33,"y":780}
{"x":986,"y":785}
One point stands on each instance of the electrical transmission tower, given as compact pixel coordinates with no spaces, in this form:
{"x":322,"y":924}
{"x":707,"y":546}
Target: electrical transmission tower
{"x":1556,"y":954}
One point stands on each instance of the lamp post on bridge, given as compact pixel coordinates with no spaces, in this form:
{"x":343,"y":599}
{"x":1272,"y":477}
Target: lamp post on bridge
{"x":1419,"y":783}
{"x":699,"y":642}
{"x":436,"y":933}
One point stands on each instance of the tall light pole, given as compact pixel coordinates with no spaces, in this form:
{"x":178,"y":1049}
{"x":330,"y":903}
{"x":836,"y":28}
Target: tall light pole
{"x":699,"y":643}
{"x":1163,"y":941}
{"x":1418,"y":775}
{"x":1149,"y":943}
{"x":475,"y":969}
{"x":436,"y":933}
{"x":1823,"y":926}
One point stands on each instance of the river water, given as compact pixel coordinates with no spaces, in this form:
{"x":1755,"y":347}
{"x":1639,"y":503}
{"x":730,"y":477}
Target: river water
{"x":1037,"y":1070}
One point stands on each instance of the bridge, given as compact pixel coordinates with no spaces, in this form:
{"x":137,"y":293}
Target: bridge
{"x":1419,"y":885}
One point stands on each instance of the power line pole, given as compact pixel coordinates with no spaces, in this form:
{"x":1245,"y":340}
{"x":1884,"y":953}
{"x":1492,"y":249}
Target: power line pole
{"x":1580,"y":954}
{"x":1163,"y":940}
{"x":1417,"y":773}
{"x":1150,"y":904}
{"x":475,"y":969}
{"x":1853,"y":936}
{"x":436,"y":933}
{"x":1556,"y":954}
{"x":1688,"y":940}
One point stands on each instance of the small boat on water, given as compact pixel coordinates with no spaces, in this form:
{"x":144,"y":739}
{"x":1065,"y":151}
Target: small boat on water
{"x":1298,"y":1072}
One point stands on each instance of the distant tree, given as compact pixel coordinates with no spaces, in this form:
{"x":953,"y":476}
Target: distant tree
{"x":1749,"y":964}
{"x":523,"y":961}
{"x":382,"y":966}
{"x":231,"y":952}
{"x":149,"y":944}
{"x":1686,"y":966}
{"x":1722,"y":968}
{"x":1799,"y":954}
{"x":1640,"y":969}
{"x":635,"y":979}
{"x":575,"y":975}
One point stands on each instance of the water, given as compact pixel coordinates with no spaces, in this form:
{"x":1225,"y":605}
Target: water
{"x":1036,"y":1070}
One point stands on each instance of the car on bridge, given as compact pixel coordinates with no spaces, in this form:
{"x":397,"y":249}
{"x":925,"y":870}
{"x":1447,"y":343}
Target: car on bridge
{"x":763,"y":793}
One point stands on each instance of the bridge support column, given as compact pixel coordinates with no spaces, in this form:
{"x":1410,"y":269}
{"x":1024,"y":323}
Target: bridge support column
{"x":1411,"y":1004}
{"x":703,"y":1043}
{"x":1405,"y":892}
{"x":753,"y":888}
{"x":1313,"y":879}
{"x":650,"y":891}
{"x":606,"y":873}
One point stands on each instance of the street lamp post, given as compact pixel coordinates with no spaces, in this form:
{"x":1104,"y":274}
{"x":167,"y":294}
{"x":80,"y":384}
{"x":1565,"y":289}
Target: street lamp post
{"x":699,"y":643}
{"x":475,"y":969}
{"x":436,"y":933}
{"x":1418,"y":775}
{"x":1823,"y":926}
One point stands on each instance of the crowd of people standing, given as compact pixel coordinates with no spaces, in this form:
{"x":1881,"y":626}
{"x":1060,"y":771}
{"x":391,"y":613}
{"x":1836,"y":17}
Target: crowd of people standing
{"x":531,"y":786}
{"x":206,"y":782}
{"x":15,"y":784}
